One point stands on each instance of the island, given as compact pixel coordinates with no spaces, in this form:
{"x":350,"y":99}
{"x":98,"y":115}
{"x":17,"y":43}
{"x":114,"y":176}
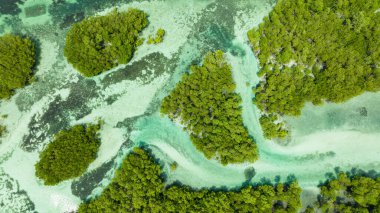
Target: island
{"x":158,"y":38}
{"x":17,"y":59}
{"x":69,"y":154}
{"x":100,"y":43}
{"x":314,"y":51}
{"x":206,"y":103}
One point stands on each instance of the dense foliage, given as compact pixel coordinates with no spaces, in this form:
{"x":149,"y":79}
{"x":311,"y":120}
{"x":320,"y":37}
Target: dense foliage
{"x":138,"y":187}
{"x":272,"y":128}
{"x":173,"y":166}
{"x":206,"y":103}
{"x":17,"y":58}
{"x":350,"y":194}
{"x":316,"y":50}
{"x":69,"y":154}
{"x":100,"y":43}
{"x":3,"y":130}
{"x":158,"y":38}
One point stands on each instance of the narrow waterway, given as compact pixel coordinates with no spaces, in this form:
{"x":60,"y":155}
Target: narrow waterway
{"x":127,"y":98}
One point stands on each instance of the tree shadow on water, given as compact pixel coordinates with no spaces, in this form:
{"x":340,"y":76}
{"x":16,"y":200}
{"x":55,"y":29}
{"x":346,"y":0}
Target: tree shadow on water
{"x":352,"y":173}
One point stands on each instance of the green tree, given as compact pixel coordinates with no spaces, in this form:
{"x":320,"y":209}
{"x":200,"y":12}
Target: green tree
{"x":272,"y":129}
{"x":350,"y":193}
{"x":100,"y":43}
{"x":138,"y":187}
{"x":206,"y":103}
{"x":69,"y":154}
{"x":3,"y":130}
{"x":334,"y":47}
{"x":173,"y":166}
{"x":159,"y":38}
{"x":17,"y":58}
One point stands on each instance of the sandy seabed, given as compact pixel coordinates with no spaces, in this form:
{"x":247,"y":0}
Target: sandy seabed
{"x":127,"y":98}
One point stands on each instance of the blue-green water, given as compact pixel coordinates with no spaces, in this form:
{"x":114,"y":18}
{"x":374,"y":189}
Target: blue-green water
{"x":127,"y":98}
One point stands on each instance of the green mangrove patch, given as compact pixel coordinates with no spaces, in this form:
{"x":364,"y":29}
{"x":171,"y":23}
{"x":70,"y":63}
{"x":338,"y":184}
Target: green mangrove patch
{"x":69,"y":154}
{"x":138,"y":186}
{"x":159,"y":37}
{"x":3,"y":130}
{"x":205,"y":102}
{"x":315,"y":51}
{"x":17,"y":58}
{"x":349,"y":193}
{"x":100,"y":43}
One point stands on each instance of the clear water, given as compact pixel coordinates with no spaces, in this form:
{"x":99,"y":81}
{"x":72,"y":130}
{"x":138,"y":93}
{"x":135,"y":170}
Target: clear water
{"x":127,"y":98}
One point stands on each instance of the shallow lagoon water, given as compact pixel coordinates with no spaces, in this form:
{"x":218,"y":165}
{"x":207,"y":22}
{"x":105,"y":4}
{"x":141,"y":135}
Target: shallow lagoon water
{"x":127,"y":98}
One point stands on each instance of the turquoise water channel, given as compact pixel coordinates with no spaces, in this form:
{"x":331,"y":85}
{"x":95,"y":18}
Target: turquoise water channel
{"x":128,"y":97}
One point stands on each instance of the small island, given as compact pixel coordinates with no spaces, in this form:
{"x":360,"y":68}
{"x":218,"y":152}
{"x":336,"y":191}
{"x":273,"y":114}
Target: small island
{"x":159,"y":38}
{"x":117,"y":106}
{"x":69,"y":154}
{"x":206,"y":103}
{"x":17,"y":57}
{"x":100,"y":43}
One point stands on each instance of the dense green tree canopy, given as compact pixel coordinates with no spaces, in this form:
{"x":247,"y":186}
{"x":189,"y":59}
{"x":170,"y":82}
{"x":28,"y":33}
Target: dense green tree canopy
{"x":100,"y":43}
{"x":69,"y":154}
{"x":206,"y":103}
{"x":347,"y":193}
{"x":316,"y":50}
{"x":17,"y":58}
{"x":138,"y":187}
{"x":272,"y":128}
{"x":159,"y":37}
{"x":3,"y":130}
